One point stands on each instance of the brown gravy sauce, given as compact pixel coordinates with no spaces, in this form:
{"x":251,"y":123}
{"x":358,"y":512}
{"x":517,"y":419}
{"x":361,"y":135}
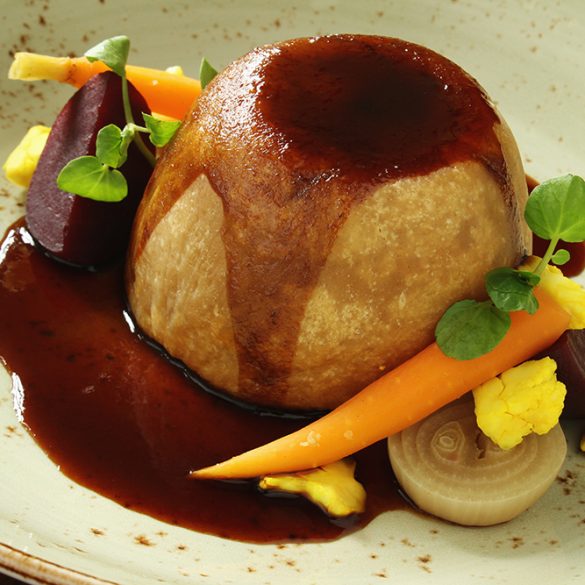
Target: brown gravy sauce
{"x":123,"y":421}
{"x":291,"y":136}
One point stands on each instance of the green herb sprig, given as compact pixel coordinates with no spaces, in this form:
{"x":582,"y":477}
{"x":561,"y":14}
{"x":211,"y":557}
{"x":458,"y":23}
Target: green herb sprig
{"x":555,"y":211}
{"x":206,"y":73}
{"x":97,"y":177}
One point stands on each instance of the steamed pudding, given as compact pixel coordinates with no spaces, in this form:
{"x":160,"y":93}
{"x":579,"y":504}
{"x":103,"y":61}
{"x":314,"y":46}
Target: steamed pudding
{"x":322,"y":205}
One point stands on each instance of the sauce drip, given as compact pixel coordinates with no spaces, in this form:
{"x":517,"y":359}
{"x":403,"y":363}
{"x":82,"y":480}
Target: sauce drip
{"x":120,"y":419}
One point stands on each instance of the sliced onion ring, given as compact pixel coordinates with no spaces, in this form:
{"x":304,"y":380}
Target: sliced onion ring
{"x":450,"y":469}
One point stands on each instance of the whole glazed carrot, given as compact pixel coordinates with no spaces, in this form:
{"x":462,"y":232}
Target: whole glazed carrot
{"x":400,"y":398}
{"x":166,"y":93}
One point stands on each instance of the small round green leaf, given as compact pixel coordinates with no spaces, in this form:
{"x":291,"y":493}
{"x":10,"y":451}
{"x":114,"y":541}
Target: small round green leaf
{"x":561,"y":257}
{"x":206,"y":73}
{"x":470,"y":329}
{"x":87,"y":177}
{"x":556,"y":209}
{"x":112,"y":52}
{"x":161,"y":131}
{"x":109,"y":147}
{"x":512,"y":290}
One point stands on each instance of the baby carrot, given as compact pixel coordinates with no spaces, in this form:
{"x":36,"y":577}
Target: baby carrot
{"x":397,"y":400}
{"x":165,"y":93}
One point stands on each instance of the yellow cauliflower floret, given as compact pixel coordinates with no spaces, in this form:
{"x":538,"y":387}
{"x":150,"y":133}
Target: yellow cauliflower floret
{"x":22,"y":161}
{"x":332,"y":487}
{"x":523,"y":400}
{"x":569,"y":294}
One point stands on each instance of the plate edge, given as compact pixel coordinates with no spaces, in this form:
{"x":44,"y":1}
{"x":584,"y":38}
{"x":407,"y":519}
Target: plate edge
{"x":23,"y":565}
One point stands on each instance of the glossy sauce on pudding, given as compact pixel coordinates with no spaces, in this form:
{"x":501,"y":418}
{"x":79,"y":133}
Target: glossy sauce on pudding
{"x":291,"y":137}
{"x":117,"y":417}
{"x":369,"y":109}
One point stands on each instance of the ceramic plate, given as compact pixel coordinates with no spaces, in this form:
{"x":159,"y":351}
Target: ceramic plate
{"x":529,"y":57}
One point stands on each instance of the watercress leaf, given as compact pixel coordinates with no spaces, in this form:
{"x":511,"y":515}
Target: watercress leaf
{"x":113,"y":52}
{"x":530,"y":277}
{"x":109,"y":148}
{"x":561,"y":257}
{"x":469,"y":329}
{"x":206,"y":73}
{"x":556,"y":209}
{"x":161,"y":131}
{"x":511,"y":290}
{"x":87,"y":177}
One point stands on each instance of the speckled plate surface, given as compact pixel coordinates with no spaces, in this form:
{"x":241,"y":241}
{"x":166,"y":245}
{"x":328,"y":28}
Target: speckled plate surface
{"x":529,"y":57}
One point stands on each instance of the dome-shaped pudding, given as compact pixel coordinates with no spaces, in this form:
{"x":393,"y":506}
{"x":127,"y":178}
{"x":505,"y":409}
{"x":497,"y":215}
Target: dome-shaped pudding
{"x":322,"y":205}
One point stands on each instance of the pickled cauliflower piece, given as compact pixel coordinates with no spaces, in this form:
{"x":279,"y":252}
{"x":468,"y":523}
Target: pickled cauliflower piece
{"x":522,"y":400}
{"x":332,"y":487}
{"x":568,"y":293}
{"x":22,"y":161}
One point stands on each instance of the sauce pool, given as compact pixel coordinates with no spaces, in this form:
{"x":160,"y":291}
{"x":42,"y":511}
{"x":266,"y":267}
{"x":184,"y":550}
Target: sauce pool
{"x":120,"y":419}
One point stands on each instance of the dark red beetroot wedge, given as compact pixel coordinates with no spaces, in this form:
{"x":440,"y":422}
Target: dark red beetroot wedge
{"x":569,"y":353}
{"x":74,"y":229}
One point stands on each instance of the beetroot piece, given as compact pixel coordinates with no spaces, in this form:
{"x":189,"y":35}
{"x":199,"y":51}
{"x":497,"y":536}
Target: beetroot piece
{"x":74,"y":229}
{"x":569,"y":353}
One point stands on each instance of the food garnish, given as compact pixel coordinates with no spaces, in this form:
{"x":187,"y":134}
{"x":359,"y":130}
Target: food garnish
{"x":22,"y":161}
{"x":206,"y":73}
{"x":565,"y":291}
{"x":97,"y":177}
{"x":165,"y":92}
{"x":332,"y":487}
{"x":522,"y":400}
{"x":449,"y":468}
{"x":469,"y":328}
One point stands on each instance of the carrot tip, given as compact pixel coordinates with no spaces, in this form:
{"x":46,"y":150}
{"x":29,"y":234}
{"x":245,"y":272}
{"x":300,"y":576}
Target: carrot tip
{"x":211,"y":472}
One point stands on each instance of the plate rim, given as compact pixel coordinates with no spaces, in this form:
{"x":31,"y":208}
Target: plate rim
{"x":22,"y":565}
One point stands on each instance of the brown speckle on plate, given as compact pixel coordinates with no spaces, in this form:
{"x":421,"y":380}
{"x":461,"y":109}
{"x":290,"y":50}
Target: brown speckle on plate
{"x":568,"y":480}
{"x":424,"y":562}
{"x":517,"y":541}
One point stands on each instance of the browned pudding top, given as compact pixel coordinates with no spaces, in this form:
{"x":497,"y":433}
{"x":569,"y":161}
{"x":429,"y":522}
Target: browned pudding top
{"x":356,"y":107}
{"x":364,"y":107}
